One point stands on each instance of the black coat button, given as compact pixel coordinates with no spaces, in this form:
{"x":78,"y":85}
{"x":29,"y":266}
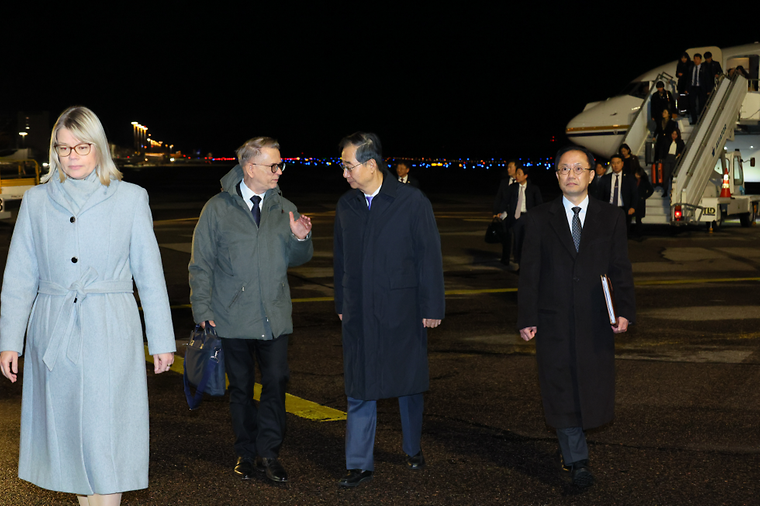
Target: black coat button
{"x":74,"y":260}
{"x":72,"y":219}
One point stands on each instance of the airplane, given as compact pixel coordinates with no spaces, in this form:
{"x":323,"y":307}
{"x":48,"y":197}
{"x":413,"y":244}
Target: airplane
{"x":603,"y":126}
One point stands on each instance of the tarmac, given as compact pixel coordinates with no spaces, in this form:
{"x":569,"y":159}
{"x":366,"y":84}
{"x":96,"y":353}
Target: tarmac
{"x":686,"y":427}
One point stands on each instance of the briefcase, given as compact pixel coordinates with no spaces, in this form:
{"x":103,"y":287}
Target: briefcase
{"x":495,"y":232}
{"x":204,"y":365}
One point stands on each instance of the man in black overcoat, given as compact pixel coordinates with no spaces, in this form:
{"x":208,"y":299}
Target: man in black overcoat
{"x":624,"y":185}
{"x":500,"y":209}
{"x":569,"y":243}
{"x":388,"y":291}
{"x":521,"y":198}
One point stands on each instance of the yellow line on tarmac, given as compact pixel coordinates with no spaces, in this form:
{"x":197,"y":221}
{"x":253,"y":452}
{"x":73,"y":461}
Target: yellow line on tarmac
{"x":294,"y":405}
{"x":693,"y":281}
{"x":313,"y":411}
{"x":511,"y":290}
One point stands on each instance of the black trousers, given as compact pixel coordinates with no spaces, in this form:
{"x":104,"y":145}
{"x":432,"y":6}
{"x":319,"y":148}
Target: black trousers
{"x":518,"y":228}
{"x":697,"y":101}
{"x":258,"y":430}
{"x":506,"y":243}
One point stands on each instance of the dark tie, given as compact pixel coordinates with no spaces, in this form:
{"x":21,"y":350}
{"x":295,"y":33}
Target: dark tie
{"x":617,"y":187}
{"x":576,"y":228}
{"x":369,"y":201}
{"x":255,"y":209}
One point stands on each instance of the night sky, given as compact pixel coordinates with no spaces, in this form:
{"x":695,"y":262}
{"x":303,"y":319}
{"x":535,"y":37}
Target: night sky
{"x":468,"y":81}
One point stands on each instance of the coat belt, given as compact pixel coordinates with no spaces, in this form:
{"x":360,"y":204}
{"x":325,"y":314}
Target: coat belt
{"x":63,"y":333}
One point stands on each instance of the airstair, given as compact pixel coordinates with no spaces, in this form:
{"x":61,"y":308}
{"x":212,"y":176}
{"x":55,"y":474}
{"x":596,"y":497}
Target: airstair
{"x":705,"y":143}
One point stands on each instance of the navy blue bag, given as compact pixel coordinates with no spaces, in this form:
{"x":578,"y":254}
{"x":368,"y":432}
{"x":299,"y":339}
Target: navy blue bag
{"x":204,"y":365}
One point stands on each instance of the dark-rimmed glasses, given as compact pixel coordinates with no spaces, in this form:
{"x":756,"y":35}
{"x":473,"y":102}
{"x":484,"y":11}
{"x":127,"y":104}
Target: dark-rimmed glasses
{"x":81,"y":149}
{"x":273,"y":167}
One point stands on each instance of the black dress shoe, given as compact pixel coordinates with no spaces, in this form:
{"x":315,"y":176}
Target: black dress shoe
{"x":354,"y":477}
{"x":581,"y":474}
{"x":272,"y":468}
{"x":244,"y":467}
{"x":415,"y":463}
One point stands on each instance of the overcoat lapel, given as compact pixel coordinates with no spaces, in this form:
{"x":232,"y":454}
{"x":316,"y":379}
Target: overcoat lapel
{"x":591,"y":226}
{"x":561,"y":228}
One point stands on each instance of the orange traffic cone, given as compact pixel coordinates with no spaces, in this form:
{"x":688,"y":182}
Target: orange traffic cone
{"x":725,"y":191}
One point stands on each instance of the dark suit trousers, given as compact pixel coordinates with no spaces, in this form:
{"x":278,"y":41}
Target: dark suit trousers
{"x":258,"y":431}
{"x":518,"y":228}
{"x":697,"y":100}
{"x":572,"y":444}
{"x":362,"y":421}
{"x":506,"y":244}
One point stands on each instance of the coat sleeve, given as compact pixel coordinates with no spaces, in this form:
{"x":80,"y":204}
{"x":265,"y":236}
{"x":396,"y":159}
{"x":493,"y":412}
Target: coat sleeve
{"x":500,"y":203}
{"x":537,"y":198}
{"x":20,"y":283}
{"x":620,"y":271}
{"x":202,"y":264}
{"x":530,"y":272}
{"x":338,"y":262}
{"x":427,"y":251}
{"x":148,"y":273}
{"x":299,"y":252}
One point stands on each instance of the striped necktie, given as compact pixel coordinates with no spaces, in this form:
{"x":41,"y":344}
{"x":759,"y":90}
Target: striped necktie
{"x":577,"y":228}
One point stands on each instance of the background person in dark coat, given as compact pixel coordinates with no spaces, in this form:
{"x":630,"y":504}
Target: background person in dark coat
{"x":388,"y":290}
{"x":561,"y":304}
{"x":665,"y":127}
{"x":672,"y":154}
{"x":500,"y":209}
{"x":627,"y":195}
{"x":645,"y":190}
{"x":517,"y":209}
{"x":682,"y":73}
{"x":699,"y":85}
{"x":661,"y":100}
{"x":402,"y":170}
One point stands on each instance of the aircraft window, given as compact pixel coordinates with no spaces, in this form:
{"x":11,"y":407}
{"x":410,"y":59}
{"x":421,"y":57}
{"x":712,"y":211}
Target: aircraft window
{"x":738,"y":173}
{"x":638,"y":90}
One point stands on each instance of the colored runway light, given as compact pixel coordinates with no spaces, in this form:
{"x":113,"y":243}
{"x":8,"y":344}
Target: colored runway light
{"x":677,"y":213}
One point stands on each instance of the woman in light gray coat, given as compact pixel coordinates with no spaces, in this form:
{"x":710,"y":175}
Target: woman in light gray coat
{"x":79,"y":240}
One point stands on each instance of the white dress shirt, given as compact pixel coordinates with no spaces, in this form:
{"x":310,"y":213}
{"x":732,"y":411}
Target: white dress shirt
{"x":247,"y":193}
{"x":569,"y":211}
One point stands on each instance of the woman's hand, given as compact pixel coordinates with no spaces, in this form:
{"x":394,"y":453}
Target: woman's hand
{"x":9,"y":364}
{"x":162,"y":362}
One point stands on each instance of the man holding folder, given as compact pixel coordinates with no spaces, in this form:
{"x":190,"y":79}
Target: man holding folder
{"x":569,"y":243}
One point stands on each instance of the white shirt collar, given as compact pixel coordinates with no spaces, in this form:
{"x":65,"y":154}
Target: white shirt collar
{"x":569,"y":210}
{"x":247,"y":193}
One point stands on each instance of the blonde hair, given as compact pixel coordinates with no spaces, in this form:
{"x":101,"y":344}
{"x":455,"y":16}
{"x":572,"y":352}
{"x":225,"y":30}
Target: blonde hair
{"x":86,"y":127}
{"x":252,"y":148}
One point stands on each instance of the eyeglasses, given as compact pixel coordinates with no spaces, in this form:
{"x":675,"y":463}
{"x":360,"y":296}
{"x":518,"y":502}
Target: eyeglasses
{"x":273,"y":167}
{"x":343,"y":166}
{"x":577,"y":170}
{"x":81,"y":149}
